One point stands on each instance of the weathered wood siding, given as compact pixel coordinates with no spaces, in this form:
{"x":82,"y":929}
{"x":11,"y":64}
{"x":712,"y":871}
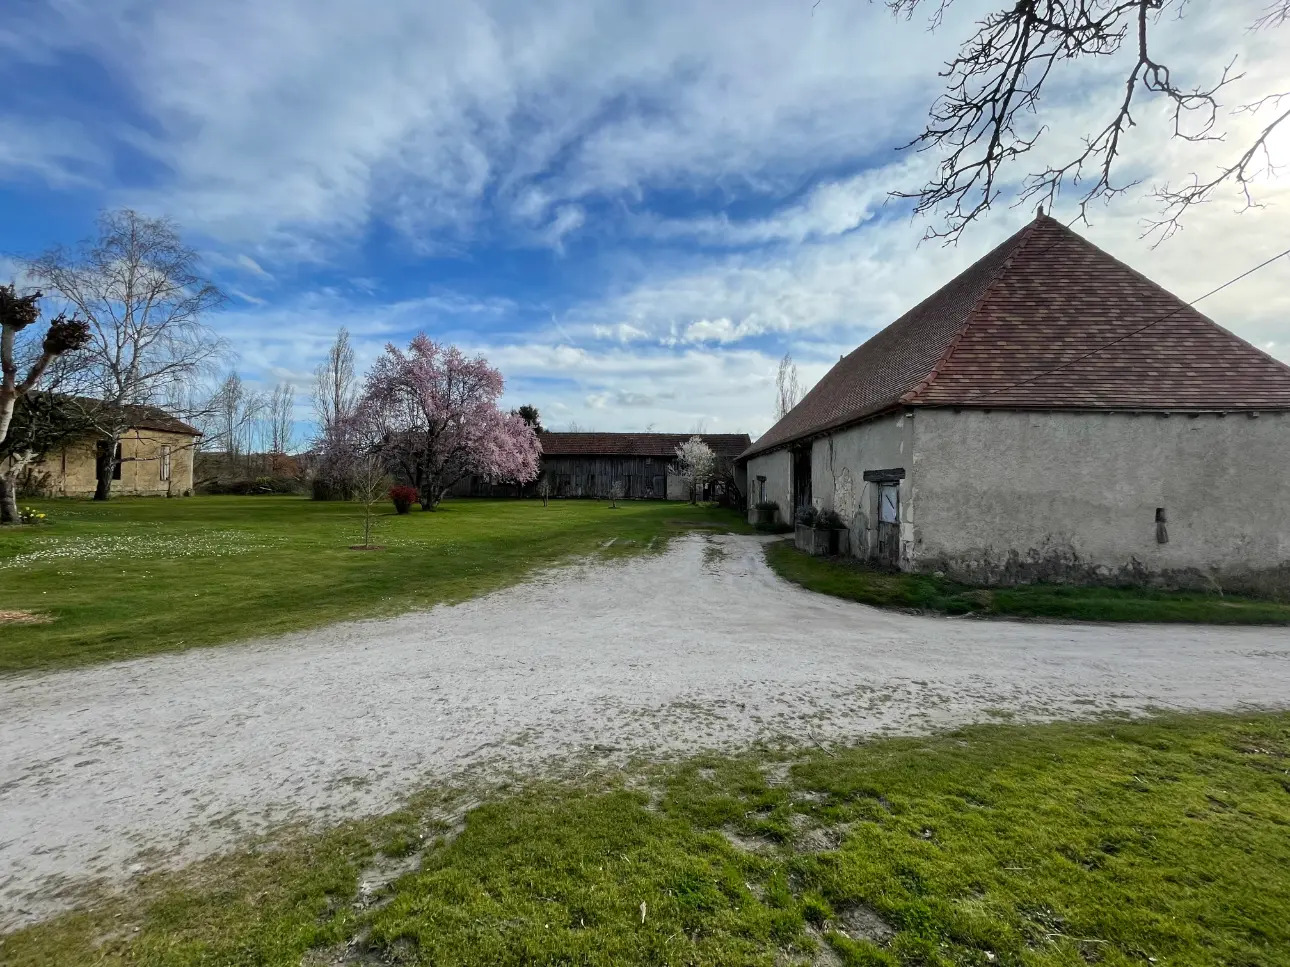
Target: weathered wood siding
{"x":593,"y":476}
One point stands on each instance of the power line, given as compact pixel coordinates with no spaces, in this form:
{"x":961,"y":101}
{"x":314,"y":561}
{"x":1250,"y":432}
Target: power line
{"x":1129,"y":335}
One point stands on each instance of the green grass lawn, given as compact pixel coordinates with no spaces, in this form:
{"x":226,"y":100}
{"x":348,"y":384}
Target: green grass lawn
{"x":1115,"y":843}
{"x":134,"y":576}
{"x":858,"y":582}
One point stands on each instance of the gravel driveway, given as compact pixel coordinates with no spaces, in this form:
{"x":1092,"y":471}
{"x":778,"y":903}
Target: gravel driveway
{"x":699,"y":647}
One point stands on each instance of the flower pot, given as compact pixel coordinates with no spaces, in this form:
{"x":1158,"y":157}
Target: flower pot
{"x":816,"y":541}
{"x":763,"y":516}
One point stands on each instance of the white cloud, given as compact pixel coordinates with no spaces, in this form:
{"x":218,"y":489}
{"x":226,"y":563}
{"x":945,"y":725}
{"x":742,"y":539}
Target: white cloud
{"x":58,"y":152}
{"x":291,"y":125}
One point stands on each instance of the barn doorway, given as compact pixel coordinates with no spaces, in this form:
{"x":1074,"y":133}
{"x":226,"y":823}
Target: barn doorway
{"x":889,"y":524}
{"x":801,"y":478}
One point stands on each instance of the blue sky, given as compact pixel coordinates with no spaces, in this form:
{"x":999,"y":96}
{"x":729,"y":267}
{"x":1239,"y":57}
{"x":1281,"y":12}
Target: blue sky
{"x":632,"y":209}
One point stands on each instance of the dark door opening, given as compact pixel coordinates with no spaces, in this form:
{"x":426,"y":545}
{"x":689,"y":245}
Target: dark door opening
{"x":889,"y":524}
{"x":801,"y":478}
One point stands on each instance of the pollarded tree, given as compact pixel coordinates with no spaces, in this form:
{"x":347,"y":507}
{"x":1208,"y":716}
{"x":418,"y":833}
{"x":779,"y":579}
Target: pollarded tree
{"x":434,"y":412}
{"x":696,"y":464}
{"x":31,"y":423}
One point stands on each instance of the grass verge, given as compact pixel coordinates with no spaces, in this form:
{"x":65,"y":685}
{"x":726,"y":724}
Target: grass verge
{"x":857,"y":581}
{"x":1115,"y":842}
{"x":135,"y":576}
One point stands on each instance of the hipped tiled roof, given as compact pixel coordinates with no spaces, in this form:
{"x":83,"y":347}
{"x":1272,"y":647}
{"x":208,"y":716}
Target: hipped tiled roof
{"x":637,"y":444}
{"x":1046,"y":320}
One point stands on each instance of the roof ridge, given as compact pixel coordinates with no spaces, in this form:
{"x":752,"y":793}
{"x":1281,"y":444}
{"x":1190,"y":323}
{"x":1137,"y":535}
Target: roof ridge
{"x":1023,"y":238}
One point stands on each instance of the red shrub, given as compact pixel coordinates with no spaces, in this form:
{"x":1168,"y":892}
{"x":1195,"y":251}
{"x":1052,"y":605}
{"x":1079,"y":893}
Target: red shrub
{"x":403,"y":497}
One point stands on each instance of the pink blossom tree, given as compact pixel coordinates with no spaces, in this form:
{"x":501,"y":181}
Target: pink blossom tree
{"x":432,"y":412}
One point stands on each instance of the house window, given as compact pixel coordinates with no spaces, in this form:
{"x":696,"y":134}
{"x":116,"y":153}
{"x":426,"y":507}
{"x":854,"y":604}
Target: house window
{"x":165,"y":462}
{"x":761,"y":489}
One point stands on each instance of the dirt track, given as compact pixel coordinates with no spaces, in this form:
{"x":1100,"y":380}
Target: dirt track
{"x":700,"y":647}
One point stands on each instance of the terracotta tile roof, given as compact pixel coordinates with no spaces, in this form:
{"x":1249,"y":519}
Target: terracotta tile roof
{"x":138,"y":416}
{"x":1046,"y":320}
{"x":637,"y":444}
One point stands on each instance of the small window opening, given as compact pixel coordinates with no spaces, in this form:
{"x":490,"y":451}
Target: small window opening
{"x":1162,"y":531}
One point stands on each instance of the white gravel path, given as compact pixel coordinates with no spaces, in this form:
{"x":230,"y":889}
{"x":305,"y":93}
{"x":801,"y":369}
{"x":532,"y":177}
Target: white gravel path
{"x":699,"y":647}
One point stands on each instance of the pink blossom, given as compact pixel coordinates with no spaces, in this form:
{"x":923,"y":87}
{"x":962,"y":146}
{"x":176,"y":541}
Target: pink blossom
{"x":432,"y":411}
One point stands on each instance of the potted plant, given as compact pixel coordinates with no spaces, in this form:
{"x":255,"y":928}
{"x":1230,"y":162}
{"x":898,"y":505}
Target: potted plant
{"x":818,"y":532}
{"x":763,"y":513}
{"x":839,"y":537}
{"x":403,"y":496}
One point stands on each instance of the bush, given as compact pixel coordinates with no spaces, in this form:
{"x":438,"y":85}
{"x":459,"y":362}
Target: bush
{"x":829,"y":518}
{"x":806,"y":515}
{"x":323,"y":488}
{"x":259,"y":485}
{"x":403,"y":496}
{"x":766,"y":505}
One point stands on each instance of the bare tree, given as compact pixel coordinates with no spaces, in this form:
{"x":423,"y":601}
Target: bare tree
{"x":616,"y":492}
{"x":787,"y":391}
{"x":544,"y":489}
{"x":235,"y":409}
{"x":335,"y":385}
{"x":138,"y":289}
{"x":335,"y":397}
{"x":280,"y":412}
{"x":983,"y":121}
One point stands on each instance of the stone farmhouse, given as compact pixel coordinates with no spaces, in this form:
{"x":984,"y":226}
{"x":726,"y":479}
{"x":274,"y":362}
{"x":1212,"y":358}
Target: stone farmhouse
{"x":154,"y":458}
{"x":1049,"y":414}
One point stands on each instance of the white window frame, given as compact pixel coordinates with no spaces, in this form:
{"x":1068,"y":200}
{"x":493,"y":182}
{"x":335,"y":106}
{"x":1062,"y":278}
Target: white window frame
{"x":165,"y":462}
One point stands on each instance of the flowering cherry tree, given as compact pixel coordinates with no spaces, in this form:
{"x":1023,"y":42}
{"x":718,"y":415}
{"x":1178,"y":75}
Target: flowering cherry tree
{"x":695,"y":464}
{"x":432,"y":413}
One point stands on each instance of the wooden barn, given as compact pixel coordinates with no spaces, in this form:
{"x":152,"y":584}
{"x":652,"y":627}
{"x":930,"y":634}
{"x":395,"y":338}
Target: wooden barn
{"x":589,"y":464}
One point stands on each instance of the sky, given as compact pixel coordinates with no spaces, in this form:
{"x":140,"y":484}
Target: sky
{"x":633,"y":210}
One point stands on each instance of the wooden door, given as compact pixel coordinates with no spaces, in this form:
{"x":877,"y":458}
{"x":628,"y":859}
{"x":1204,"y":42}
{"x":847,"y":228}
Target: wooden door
{"x":889,"y":524}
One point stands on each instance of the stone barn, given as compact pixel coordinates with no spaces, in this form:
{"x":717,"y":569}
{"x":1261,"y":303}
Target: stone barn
{"x":1049,"y":414}
{"x":154,"y":458}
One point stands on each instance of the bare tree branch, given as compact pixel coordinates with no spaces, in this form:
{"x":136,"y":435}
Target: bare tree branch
{"x":988,"y":116}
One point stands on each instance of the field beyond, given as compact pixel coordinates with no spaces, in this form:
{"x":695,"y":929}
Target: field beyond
{"x":1113,"y":843}
{"x":135,"y":576}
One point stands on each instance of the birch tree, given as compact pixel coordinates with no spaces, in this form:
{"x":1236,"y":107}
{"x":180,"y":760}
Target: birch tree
{"x":335,"y":397}
{"x":235,"y":409}
{"x":281,"y":409}
{"x":139,"y":291}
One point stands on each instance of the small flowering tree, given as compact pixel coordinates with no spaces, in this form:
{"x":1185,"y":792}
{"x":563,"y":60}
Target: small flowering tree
{"x":434,"y":413}
{"x":695,"y":464}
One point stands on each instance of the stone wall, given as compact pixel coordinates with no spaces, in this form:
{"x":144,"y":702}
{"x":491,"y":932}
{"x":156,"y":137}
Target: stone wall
{"x":777,"y":470}
{"x":1002,"y":497}
{"x":71,"y":471}
{"x":838,"y":465}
